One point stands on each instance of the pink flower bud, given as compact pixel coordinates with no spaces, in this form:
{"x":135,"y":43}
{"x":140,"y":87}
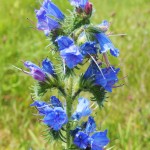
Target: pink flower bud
{"x":88,"y":8}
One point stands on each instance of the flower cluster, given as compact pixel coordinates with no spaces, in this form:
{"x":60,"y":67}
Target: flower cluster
{"x":77,"y":44}
{"x":84,"y":136}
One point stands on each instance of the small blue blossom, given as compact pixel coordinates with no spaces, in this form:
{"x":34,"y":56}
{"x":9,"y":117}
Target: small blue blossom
{"x":90,"y":125}
{"x":91,"y":71}
{"x":107,"y":77}
{"x":79,"y":3}
{"x":30,"y":65}
{"x":52,"y":10}
{"x":45,"y":23}
{"x":64,"y":42}
{"x":104,"y":25}
{"x":56,"y":118}
{"x":81,"y":140}
{"x":83,"y":109}
{"x":84,"y":140}
{"x":110,"y":77}
{"x":47,"y":66}
{"x":69,"y":52}
{"x":42,"y":107}
{"x":55,"y":102}
{"x":106,"y":44}
{"x":99,"y":140}
{"x":88,"y":48}
{"x":38,"y":104}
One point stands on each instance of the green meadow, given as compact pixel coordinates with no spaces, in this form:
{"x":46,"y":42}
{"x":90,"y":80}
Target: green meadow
{"x":126,"y":115}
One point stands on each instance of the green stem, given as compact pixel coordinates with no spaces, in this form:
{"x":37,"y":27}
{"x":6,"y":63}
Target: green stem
{"x":69,"y":111}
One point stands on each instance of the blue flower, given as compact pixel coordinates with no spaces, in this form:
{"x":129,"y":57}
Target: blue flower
{"x":91,"y":71}
{"x":47,"y":66}
{"x":99,"y":140}
{"x":90,"y":125}
{"x":69,"y":52}
{"x":104,"y":25}
{"x":45,"y":23}
{"x":38,"y":104}
{"x":106,"y":44}
{"x":83,"y":109}
{"x":64,"y":42}
{"x":88,"y":48}
{"x":42,"y":107}
{"x":84,"y":140}
{"x":30,"y":65}
{"x":78,"y":3}
{"x":81,"y":140}
{"x":55,"y":102}
{"x":52,"y":10}
{"x":110,"y":77}
{"x":56,"y":118}
{"x":106,"y":78}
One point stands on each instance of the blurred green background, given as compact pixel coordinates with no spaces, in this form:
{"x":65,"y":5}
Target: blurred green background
{"x":126,"y":114}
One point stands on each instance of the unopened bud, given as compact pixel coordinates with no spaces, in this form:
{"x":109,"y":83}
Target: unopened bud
{"x":88,"y":8}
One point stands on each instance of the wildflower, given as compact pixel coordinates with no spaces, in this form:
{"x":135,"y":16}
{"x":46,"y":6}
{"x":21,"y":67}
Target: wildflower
{"x":45,"y":23}
{"x":81,"y":140}
{"x":48,"y":17}
{"x":88,"y":48}
{"x":110,"y":74}
{"x":55,"y":102}
{"x":47,"y":66}
{"x":84,"y":140}
{"x":104,"y":25}
{"x":79,"y":3}
{"x":69,"y":51}
{"x":30,"y":65}
{"x":106,"y":44}
{"x":56,"y":118}
{"x":42,"y":107}
{"x":99,"y":140}
{"x":54,"y":115}
{"x":52,"y":10}
{"x":90,"y":125}
{"x":106,"y":78}
{"x":82,"y":110}
{"x":91,"y":71}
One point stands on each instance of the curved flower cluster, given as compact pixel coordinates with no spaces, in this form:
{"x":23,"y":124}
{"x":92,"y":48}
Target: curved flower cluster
{"x":49,"y":17}
{"x":85,"y":136}
{"x":54,"y":114}
{"x":75,"y":42}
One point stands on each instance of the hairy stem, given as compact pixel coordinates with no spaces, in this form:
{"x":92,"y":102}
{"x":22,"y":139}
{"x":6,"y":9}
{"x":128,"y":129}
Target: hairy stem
{"x":69,"y":110}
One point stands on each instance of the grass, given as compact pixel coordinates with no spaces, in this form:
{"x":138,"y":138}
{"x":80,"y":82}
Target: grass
{"x":126,"y":114}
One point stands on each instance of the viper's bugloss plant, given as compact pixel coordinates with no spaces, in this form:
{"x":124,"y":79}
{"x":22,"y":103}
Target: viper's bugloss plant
{"x":77,"y":44}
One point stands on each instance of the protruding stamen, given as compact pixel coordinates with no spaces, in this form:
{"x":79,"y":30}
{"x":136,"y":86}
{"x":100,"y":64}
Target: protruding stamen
{"x":97,"y":65}
{"x":107,"y":61}
{"x":21,"y":70}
